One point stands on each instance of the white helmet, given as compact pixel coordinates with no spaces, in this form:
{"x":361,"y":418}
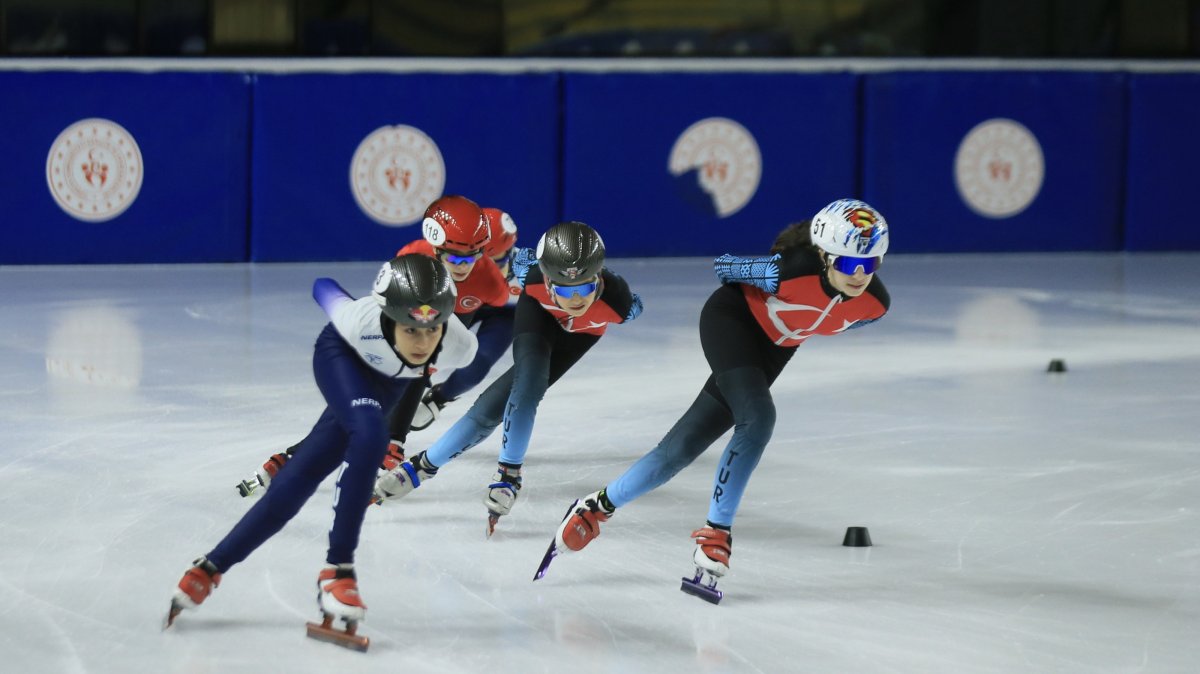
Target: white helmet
{"x":850,"y":227}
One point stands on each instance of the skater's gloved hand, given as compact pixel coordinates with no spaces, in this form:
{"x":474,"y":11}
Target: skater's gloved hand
{"x":635,"y":308}
{"x":522,"y":260}
{"x":761,"y":272}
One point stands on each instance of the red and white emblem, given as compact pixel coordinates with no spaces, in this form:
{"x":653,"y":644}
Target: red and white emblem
{"x":999,"y":168}
{"x":396,"y":172}
{"x":94,"y":170}
{"x":726,"y":158}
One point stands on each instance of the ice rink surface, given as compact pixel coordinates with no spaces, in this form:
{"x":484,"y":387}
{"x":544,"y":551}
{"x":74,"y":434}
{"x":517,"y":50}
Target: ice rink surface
{"x":1023,"y":521}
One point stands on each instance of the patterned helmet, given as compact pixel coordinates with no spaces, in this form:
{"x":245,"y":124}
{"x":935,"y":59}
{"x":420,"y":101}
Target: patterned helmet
{"x":850,"y":227}
{"x":415,"y":290}
{"x":504,"y":232}
{"x":570,"y":253}
{"x":455,"y":223}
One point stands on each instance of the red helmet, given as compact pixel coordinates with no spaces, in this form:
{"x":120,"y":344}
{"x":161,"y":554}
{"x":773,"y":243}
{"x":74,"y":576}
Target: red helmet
{"x":455,"y":223}
{"x":504,"y":232}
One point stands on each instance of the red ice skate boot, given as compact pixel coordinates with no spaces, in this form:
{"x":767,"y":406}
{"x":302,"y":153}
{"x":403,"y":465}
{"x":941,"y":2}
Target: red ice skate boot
{"x":580,"y":526}
{"x":394,"y":456}
{"x":582,"y":523}
{"x":338,"y":598}
{"x":713,"y":548}
{"x":195,"y":586}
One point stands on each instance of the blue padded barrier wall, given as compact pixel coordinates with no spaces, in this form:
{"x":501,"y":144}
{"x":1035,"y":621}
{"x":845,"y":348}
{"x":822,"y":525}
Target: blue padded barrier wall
{"x":1162,"y":168}
{"x":997,"y":161}
{"x":108,"y":167}
{"x":410,"y":138}
{"x":702,"y":163}
{"x":103,"y":165}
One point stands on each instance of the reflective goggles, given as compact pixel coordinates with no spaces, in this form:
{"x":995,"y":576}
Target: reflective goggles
{"x":850,"y":265}
{"x":583,"y":289}
{"x":457,"y":259}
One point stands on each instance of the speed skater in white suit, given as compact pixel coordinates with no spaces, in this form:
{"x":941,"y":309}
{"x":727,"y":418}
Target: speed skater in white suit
{"x":369,"y":353}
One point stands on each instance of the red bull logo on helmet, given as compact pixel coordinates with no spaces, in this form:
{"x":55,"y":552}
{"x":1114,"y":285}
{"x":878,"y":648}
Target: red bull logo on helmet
{"x":424,"y":314}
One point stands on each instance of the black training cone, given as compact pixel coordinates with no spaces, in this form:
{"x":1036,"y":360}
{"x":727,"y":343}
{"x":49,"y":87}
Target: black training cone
{"x":857,"y":537}
{"x":1057,"y":365}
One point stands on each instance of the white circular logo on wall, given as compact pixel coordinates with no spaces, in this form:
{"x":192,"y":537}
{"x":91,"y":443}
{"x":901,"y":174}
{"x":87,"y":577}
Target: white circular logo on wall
{"x":396,"y":172}
{"x":94,"y":170}
{"x":725,"y":158}
{"x":999,"y":168}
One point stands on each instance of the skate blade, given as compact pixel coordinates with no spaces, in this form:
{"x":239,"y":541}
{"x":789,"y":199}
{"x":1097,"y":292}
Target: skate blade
{"x":551,"y":553}
{"x":702,"y":586}
{"x":344,"y":638}
{"x":172,"y":614}
{"x":493,"y":519}
{"x":248,"y":486}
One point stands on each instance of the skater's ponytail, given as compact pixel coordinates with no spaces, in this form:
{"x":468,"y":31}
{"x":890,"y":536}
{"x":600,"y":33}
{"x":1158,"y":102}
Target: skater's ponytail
{"x":793,"y":236}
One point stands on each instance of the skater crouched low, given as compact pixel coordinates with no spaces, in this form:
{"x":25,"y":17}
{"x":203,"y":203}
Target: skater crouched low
{"x":819,"y":280}
{"x":568,"y":301}
{"x":364,"y":360}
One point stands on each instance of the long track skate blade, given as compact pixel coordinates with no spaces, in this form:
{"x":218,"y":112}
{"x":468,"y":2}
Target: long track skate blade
{"x":344,"y":638}
{"x":708,"y":593}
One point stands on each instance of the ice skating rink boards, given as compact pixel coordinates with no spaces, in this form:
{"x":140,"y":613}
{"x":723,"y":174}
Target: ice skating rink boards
{"x":1023,"y":521}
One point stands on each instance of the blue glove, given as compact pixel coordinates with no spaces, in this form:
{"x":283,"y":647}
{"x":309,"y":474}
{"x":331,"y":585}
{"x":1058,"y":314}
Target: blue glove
{"x":760,"y":272}
{"x":522,"y":260}
{"x":635,"y":309}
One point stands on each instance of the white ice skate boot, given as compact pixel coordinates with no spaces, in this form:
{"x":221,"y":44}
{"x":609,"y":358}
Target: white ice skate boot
{"x":195,"y":586}
{"x":501,"y":495}
{"x":711,"y":557}
{"x":399,"y":481}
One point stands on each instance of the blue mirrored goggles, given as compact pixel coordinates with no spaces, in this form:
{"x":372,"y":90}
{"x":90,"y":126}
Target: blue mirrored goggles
{"x":583,"y":289}
{"x":456,"y":259}
{"x":850,"y":265}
